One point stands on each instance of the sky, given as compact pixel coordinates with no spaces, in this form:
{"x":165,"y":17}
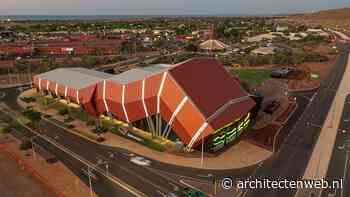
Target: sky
{"x":164,"y":7}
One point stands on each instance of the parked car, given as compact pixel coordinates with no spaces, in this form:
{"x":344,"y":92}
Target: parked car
{"x":283,"y":72}
{"x":140,"y":161}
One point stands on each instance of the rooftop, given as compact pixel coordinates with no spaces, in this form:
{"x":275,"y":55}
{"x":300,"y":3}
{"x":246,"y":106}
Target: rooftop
{"x":207,"y":83}
{"x":140,"y":73}
{"x":74,"y":77}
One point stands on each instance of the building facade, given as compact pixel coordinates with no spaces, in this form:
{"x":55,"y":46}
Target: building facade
{"x":193,"y":100}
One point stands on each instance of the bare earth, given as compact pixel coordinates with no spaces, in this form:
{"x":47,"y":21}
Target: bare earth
{"x":15,"y":182}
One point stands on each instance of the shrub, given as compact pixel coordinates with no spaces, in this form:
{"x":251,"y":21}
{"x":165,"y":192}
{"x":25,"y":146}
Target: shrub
{"x":25,"y":145}
{"x":27,"y":99}
{"x":154,"y":145}
{"x":63,"y":111}
{"x":90,"y":122}
{"x":70,"y":126}
{"x":5,"y":129}
{"x":115,"y":130}
{"x":100,"y":130}
{"x":32,"y":115}
{"x":47,"y":116}
{"x":68,"y":119}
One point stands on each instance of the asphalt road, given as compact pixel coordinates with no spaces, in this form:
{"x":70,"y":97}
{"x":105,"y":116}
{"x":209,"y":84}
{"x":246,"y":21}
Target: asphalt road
{"x":339,"y":164}
{"x":140,"y":177}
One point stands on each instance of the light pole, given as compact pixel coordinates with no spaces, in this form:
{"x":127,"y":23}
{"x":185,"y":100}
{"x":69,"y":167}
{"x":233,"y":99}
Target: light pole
{"x":90,"y":182}
{"x":90,"y":169}
{"x":107,"y":169}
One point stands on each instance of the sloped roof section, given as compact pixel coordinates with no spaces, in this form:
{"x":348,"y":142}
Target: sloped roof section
{"x":76,"y":78}
{"x":139,"y":73}
{"x":209,"y":85}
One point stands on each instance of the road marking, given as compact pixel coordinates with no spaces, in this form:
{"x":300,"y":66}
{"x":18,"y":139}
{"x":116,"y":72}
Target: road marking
{"x":345,"y":170}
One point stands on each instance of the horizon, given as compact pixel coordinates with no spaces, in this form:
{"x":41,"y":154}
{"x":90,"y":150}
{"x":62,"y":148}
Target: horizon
{"x":166,"y":8}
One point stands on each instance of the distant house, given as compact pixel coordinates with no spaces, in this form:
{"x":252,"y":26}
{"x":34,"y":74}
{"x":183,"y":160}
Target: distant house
{"x":264,"y":51}
{"x":319,"y":32}
{"x":280,"y":28}
{"x":261,"y":37}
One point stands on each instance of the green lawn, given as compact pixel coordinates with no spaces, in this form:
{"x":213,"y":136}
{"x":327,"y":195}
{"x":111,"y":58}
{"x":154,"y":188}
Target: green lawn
{"x":253,"y":77}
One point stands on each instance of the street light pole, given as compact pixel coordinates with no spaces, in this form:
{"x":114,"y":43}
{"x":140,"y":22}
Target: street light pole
{"x":107,"y":169}
{"x":90,"y":182}
{"x":33,"y":149}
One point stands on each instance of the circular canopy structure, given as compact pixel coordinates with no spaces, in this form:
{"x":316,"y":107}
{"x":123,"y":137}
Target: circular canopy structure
{"x":213,"y":45}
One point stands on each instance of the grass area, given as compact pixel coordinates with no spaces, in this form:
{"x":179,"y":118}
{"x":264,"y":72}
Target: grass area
{"x":253,"y":77}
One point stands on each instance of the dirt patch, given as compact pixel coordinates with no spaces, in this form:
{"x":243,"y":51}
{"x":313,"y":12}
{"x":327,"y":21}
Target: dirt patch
{"x":17,"y":183}
{"x":335,"y":18}
{"x":306,"y":81}
{"x":67,"y":184}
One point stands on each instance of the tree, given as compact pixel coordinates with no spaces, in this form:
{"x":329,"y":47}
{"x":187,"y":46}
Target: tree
{"x":191,"y":47}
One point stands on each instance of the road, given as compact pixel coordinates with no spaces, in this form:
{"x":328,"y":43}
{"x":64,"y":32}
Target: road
{"x":140,"y":177}
{"x":338,"y":167}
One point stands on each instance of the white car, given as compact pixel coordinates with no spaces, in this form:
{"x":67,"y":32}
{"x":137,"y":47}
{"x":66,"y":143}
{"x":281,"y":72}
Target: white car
{"x":140,"y":161}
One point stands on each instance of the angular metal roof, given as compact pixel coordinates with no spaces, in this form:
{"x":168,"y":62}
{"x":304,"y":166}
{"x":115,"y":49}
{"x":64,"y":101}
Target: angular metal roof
{"x":76,"y":78}
{"x":208,"y":84}
{"x":140,"y":73}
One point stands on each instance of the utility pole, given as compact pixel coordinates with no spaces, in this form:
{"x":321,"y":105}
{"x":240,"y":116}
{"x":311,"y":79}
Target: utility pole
{"x":33,"y":148}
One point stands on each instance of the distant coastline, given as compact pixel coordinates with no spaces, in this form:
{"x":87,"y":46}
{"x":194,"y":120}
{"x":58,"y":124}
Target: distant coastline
{"x":106,"y":17}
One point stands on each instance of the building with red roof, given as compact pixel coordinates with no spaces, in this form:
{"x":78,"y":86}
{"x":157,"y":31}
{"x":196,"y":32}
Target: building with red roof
{"x":193,"y":100}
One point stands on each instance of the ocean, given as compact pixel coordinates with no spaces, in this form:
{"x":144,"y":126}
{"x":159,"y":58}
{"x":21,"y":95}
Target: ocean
{"x":68,"y":17}
{"x":96,"y":17}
